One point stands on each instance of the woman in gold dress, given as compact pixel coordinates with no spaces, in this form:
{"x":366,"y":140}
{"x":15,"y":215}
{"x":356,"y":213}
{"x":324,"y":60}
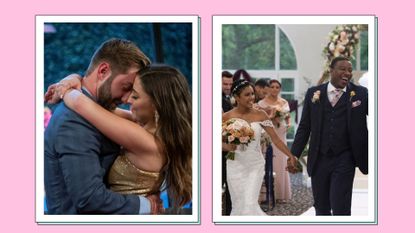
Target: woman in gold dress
{"x":156,"y":134}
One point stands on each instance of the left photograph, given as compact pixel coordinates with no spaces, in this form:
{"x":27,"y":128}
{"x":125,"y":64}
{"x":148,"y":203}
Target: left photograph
{"x":118,"y":140}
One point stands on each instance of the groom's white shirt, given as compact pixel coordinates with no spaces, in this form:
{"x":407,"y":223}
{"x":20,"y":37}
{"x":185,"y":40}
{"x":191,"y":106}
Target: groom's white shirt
{"x":331,"y":93}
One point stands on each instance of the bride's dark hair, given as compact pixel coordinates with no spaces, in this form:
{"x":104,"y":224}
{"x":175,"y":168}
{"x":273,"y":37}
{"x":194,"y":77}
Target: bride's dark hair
{"x":239,"y":85}
{"x":170,"y":93}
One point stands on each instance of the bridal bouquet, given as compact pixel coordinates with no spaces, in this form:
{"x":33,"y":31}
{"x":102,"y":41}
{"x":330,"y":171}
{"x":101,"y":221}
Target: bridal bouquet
{"x":280,"y":115}
{"x":237,"y":132}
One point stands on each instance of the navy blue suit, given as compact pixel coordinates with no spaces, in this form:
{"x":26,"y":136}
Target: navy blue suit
{"x":226,"y":106}
{"x":338,"y":142}
{"x":77,"y":159}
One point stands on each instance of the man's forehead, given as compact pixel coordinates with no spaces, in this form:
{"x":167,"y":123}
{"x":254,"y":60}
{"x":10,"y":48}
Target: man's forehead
{"x":343,"y":63}
{"x":127,"y":79}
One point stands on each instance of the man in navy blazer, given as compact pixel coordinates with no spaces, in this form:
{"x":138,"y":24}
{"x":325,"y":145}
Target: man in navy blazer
{"x":227,"y":80}
{"x":334,"y":114}
{"x":77,"y":156}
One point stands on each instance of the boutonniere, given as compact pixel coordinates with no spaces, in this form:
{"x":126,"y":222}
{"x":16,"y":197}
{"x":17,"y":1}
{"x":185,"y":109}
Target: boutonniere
{"x":352,"y":93}
{"x":316,"y":97}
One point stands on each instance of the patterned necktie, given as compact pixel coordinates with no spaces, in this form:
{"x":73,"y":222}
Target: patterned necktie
{"x":337,"y":93}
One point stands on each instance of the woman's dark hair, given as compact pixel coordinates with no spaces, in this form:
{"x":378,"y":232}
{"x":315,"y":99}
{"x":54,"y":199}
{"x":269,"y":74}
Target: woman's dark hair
{"x":170,"y":93}
{"x":262,"y":82}
{"x":275,"y":81}
{"x":239,"y":85}
{"x":241,"y":75}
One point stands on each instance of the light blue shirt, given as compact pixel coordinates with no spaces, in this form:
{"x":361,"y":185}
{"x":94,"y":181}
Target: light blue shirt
{"x":145,"y":206}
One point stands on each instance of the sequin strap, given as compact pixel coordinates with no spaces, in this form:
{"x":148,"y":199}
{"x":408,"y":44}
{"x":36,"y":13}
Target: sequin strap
{"x":267,"y":123}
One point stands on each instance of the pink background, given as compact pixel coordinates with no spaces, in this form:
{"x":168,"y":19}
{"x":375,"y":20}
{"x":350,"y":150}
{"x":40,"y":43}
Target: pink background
{"x":396,"y":159}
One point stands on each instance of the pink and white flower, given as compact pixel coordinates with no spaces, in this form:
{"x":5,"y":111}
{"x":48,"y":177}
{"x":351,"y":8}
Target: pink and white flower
{"x":238,"y":132}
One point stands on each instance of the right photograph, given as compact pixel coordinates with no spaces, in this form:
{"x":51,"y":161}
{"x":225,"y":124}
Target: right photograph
{"x":295,"y":126}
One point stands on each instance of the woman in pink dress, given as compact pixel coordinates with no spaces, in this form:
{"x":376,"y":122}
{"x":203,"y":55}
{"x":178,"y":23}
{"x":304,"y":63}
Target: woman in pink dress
{"x":279,"y":111}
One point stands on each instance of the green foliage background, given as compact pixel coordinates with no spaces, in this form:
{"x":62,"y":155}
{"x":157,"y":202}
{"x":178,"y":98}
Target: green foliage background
{"x":70,"y":48}
{"x":252,"y":47}
{"x":248,"y":46}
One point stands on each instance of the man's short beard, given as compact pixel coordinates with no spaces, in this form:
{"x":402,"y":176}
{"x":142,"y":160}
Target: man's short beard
{"x":104,"y":97}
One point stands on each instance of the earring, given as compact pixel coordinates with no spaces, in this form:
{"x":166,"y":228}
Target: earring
{"x":156,"y":117}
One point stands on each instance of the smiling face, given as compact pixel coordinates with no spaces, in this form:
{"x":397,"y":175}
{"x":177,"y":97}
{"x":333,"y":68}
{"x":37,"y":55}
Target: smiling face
{"x":341,"y":73}
{"x":246,"y":97}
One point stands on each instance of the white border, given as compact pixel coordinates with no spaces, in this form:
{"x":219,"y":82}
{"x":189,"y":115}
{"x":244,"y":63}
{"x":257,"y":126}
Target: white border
{"x":218,"y":21}
{"x":111,"y":219}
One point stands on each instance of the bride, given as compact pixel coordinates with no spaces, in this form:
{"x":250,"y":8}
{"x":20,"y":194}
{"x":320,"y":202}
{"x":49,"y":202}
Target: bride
{"x":246,"y":172}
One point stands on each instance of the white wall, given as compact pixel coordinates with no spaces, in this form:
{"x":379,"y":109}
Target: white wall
{"x":308,"y":42}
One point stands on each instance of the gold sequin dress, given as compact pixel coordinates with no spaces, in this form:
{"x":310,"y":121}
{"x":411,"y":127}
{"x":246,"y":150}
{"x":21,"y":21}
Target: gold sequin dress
{"x":125,"y":178}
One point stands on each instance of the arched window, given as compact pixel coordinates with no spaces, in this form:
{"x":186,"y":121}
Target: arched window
{"x":264,"y":51}
{"x":361,"y":54}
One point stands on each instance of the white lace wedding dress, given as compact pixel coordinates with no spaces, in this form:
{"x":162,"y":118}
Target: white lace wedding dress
{"x":245,"y":174}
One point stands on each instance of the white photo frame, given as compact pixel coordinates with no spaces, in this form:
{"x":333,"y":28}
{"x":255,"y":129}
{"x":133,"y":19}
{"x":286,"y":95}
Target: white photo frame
{"x":220,"y":20}
{"x":41,"y":217}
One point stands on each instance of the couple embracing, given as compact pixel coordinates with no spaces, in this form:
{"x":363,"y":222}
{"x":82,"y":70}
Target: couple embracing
{"x":100,"y":159}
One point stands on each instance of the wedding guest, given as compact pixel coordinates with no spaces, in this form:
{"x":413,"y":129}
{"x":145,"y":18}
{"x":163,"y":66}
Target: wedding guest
{"x":279,"y":112}
{"x":267,"y":190}
{"x":227,"y":80}
{"x":242,"y":74}
{"x":261,"y":89}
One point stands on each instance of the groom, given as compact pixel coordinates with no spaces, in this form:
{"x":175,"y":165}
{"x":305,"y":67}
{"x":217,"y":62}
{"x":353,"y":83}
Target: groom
{"x":77,"y":156}
{"x":334,"y":114}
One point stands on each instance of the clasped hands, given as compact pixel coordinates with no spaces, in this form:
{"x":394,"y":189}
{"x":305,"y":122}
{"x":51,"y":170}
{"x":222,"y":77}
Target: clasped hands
{"x":292,"y":164}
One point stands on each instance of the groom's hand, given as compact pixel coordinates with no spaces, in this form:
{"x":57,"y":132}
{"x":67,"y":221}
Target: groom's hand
{"x":292,"y":164}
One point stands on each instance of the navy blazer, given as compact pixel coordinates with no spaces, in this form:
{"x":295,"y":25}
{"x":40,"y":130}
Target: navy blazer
{"x":76,"y":161}
{"x":311,"y":123}
{"x":226,"y":104}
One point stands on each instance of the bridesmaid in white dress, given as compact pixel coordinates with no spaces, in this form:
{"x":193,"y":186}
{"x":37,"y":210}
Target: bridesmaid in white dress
{"x":271,"y":104}
{"x":246,"y":171}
